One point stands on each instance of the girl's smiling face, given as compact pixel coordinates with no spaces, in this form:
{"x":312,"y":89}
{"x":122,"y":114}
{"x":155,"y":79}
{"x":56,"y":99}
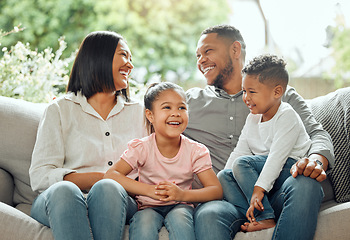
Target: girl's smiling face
{"x":169,"y":115}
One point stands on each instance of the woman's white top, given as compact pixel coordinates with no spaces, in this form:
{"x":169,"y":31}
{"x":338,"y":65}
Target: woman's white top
{"x":73,"y":137}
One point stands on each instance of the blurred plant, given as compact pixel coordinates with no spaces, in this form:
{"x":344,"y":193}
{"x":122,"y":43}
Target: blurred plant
{"x":338,"y":38}
{"x":162,"y":35}
{"x":32,"y":75}
{"x":46,"y":20}
{"x":137,"y":90}
{"x":341,"y":54}
{"x":14,"y":30}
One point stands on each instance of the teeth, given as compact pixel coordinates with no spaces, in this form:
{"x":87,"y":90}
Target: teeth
{"x":207,"y":69}
{"x":124,"y":73}
{"x":174,"y":123}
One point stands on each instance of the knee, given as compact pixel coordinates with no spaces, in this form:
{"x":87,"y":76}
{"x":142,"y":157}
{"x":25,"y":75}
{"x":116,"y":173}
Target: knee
{"x":239,"y":163}
{"x":209,"y":212}
{"x":183,"y":212}
{"x":215,"y":214}
{"x":144,"y":216}
{"x":64,"y":191}
{"x":63,"y":195}
{"x":225,"y":176}
{"x":146,"y":222}
{"x":109,"y":189}
{"x":304,"y":189}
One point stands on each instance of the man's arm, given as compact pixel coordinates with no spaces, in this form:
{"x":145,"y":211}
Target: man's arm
{"x":321,"y":148}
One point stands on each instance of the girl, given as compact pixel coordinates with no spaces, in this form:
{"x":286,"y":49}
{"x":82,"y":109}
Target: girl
{"x":166,"y":162}
{"x":79,"y":137}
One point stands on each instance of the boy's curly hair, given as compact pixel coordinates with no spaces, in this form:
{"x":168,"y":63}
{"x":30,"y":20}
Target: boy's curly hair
{"x":269,"y":68}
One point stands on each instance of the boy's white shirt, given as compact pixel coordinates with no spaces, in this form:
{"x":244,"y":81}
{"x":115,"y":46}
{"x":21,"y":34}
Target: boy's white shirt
{"x":281,"y":137}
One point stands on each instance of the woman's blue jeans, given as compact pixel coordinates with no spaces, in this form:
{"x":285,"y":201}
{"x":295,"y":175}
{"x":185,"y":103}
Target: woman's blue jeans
{"x":71,"y":216}
{"x":296,"y":205}
{"x":246,"y":171}
{"x":178,"y":220}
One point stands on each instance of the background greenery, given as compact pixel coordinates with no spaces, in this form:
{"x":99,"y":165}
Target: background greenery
{"x":35,"y":62}
{"x":161,"y":34}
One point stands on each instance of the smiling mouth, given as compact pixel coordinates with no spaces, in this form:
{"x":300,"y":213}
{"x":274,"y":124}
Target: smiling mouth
{"x":125,"y":74}
{"x":207,"y":69}
{"x":174,"y":123}
{"x":250,"y":106}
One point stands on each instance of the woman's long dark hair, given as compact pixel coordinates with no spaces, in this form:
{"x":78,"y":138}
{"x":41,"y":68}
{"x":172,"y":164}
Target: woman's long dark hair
{"x":92,"y":69}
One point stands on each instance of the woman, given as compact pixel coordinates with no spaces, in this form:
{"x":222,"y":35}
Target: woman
{"x":79,"y":137}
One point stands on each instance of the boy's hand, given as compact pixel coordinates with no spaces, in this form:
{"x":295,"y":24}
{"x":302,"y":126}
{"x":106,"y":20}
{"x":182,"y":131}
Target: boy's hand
{"x":169,"y":191}
{"x":255,"y":203}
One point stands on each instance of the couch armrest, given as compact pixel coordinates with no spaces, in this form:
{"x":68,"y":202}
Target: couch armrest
{"x":16,"y":225}
{"x":6,"y":187}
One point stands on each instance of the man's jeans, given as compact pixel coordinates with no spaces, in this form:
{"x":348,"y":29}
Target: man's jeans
{"x":296,"y":205}
{"x":178,"y":219}
{"x":71,"y":216}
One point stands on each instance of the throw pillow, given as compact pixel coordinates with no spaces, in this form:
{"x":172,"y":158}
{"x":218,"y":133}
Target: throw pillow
{"x":333,"y":112}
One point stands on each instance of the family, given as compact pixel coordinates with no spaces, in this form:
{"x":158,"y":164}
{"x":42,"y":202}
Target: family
{"x":243,"y":154}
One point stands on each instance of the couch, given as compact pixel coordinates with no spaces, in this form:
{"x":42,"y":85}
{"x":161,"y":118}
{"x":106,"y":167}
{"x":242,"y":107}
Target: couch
{"x":18,"y":125}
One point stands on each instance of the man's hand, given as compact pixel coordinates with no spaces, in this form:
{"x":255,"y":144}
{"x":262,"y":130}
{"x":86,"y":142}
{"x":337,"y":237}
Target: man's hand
{"x":309,"y":168}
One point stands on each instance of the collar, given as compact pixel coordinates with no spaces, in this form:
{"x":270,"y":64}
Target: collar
{"x":86,"y":107}
{"x":222,"y":93}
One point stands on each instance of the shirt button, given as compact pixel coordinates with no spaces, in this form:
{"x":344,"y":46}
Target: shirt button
{"x":107,"y":134}
{"x":232,"y":99}
{"x":110,"y":163}
{"x":231,"y":118}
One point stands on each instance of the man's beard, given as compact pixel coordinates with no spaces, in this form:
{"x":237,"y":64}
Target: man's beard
{"x":223,"y":77}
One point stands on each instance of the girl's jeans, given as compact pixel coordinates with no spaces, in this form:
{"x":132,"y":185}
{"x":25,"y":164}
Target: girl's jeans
{"x":71,"y":216}
{"x":246,"y":171}
{"x":178,"y":220}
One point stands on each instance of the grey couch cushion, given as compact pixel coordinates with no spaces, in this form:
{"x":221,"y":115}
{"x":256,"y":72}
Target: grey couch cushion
{"x":6,"y":187}
{"x":15,"y":224}
{"x":19,"y":123}
{"x":333,"y":112}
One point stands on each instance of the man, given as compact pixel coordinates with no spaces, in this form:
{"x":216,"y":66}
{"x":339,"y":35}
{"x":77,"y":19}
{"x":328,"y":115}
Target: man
{"x":217,"y":114}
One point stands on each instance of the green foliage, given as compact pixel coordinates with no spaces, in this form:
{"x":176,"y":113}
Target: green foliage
{"x":31,"y":75}
{"x":162,"y":34}
{"x":46,"y":21}
{"x":341,"y":54}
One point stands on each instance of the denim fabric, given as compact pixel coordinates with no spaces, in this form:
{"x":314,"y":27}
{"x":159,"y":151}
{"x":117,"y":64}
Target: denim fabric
{"x":178,"y":220}
{"x":246,"y":171}
{"x":101,"y":215}
{"x":295,"y":204}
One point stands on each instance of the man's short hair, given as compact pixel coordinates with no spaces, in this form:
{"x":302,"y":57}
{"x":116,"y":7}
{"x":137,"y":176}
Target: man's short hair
{"x":228,"y":32}
{"x":269,"y":69}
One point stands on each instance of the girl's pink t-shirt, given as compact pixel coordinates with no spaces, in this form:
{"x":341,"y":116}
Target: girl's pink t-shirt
{"x":153,"y":167}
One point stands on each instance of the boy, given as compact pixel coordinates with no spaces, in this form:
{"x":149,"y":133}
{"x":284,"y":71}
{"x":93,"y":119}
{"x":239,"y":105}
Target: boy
{"x":272,"y":140}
